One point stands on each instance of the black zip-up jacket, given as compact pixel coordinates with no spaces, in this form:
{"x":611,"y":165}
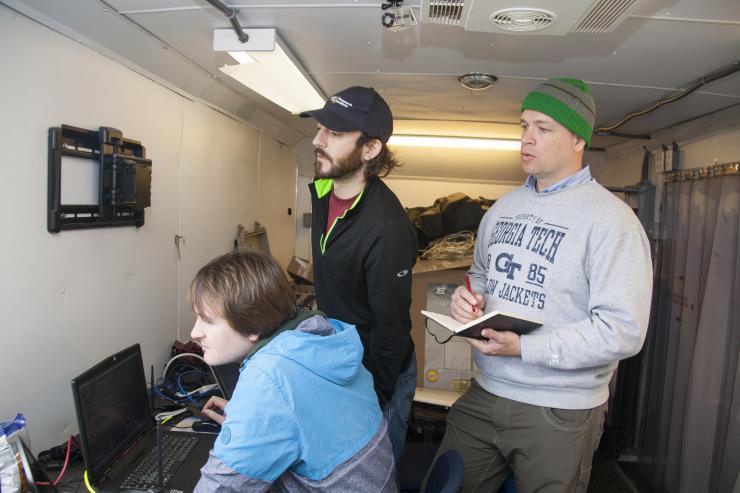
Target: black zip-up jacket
{"x":362,"y":274}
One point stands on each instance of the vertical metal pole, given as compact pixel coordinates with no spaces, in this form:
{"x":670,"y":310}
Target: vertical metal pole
{"x":160,"y":472}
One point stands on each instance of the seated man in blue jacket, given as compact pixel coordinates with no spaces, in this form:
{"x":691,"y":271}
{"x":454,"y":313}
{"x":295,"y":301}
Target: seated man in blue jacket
{"x":304,"y":415}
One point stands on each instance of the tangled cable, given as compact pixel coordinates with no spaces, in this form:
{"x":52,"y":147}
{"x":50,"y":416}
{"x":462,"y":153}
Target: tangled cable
{"x":454,"y":245}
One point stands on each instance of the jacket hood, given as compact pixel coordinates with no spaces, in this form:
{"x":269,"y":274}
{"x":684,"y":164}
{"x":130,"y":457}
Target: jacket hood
{"x":310,"y":343}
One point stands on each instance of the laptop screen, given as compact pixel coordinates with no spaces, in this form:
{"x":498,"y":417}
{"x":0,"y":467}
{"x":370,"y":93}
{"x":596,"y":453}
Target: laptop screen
{"x":112,"y":408}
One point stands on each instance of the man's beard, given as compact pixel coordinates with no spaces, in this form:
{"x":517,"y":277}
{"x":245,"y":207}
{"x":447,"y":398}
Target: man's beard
{"x":341,"y":168}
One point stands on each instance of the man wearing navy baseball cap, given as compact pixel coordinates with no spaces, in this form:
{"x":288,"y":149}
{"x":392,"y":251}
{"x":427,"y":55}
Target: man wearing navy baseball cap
{"x":364,"y":245}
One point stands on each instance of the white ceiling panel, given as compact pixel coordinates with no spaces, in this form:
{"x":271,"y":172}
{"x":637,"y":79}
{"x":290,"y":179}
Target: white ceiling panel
{"x":662,"y":48}
{"x":685,"y":109}
{"x":717,"y":10}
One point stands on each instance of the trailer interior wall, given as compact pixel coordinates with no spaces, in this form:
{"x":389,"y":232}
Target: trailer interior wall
{"x":423,"y":191}
{"x":72,"y":298}
{"x":720,"y":148}
{"x":713,"y":139}
{"x":416,"y":191}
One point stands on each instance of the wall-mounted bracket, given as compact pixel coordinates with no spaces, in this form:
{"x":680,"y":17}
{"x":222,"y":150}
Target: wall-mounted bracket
{"x":124,"y":187}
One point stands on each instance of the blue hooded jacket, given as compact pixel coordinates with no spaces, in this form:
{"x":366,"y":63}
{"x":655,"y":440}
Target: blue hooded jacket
{"x":304,"y":417}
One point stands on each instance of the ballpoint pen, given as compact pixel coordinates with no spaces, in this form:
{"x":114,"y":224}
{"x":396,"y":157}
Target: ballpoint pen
{"x":470,"y":290}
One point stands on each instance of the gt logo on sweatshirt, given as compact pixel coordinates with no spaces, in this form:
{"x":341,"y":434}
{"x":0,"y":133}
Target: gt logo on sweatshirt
{"x":505,"y":263}
{"x":402,"y":273}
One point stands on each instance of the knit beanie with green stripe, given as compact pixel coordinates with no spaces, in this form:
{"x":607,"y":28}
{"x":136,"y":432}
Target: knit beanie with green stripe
{"x":567,"y":101}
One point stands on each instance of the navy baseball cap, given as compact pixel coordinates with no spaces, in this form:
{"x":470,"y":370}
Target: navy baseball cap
{"x":356,"y":108}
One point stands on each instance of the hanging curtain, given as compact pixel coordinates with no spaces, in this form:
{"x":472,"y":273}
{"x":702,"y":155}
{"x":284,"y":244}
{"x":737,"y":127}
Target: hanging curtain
{"x":690,"y":438}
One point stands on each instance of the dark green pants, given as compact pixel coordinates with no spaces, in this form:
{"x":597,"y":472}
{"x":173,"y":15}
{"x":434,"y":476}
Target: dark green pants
{"x":550,"y":450}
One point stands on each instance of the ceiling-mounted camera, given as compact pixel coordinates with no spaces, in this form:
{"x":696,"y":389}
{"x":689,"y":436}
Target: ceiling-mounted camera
{"x":396,"y":16}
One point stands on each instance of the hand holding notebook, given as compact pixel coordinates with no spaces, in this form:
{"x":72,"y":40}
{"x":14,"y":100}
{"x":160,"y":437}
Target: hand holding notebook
{"x":496,"y":320}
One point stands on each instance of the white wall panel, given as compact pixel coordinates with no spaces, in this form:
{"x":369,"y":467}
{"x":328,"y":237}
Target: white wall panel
{"x":70,"y":299}
{"x":277,"y":194}
{"x":720,"y":148}
{"x":422,"y":192}
{"x":219,"y":192}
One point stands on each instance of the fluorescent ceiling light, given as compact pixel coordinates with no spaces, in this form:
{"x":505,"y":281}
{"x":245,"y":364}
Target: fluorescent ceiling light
{"x":454,"y":142}
{"x":274,"y":74}
{"x":241,"y":56}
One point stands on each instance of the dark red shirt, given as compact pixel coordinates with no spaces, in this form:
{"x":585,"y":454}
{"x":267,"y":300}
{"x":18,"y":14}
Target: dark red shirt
{"x":337,"y":207}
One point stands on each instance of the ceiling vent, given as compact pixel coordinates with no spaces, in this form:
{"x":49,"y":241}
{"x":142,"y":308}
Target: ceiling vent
{"x":447,"y":12}
{"x":522,"y":19}
{"x":604,"y":16}
{"x":535,"y":17}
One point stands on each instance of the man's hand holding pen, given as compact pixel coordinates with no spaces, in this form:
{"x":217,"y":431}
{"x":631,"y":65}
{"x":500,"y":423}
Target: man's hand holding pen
{"x":467,"y":305}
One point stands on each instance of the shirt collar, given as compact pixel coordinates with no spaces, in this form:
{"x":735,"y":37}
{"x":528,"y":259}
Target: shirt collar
{"x":582,"y":176}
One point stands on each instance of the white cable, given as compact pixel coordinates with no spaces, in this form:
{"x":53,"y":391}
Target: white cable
{"x":197,"y":356}
{"x":170,"y":413}
{"x":177,"y":356}
{"x":200,"y":390}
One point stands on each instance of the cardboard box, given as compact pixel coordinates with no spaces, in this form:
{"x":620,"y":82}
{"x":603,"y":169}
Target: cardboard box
{"x":448,"y":366}
{"x":255,"y":239}
{"x":300,"y":270}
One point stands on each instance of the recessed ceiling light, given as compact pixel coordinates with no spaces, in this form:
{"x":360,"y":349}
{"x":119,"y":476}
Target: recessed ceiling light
{"x":477,"y":81}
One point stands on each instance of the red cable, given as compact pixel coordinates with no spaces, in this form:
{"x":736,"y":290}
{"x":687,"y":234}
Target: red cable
{"x":64,"y":468}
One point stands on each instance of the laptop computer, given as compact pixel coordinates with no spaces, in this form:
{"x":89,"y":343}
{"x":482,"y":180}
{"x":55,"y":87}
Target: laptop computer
{"x":226,"y":376}
{"x":118,"y":434}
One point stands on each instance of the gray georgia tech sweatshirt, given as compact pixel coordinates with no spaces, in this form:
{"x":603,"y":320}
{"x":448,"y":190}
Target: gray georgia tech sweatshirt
{"x":577,"y":260}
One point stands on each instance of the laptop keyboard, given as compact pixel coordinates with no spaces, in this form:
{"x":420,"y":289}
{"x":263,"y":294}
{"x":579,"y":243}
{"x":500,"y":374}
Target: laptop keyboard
{"x":174,"y":451}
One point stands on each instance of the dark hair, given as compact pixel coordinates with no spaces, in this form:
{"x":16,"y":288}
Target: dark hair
{"x":248,"y":289}
{"x":380,"y":165}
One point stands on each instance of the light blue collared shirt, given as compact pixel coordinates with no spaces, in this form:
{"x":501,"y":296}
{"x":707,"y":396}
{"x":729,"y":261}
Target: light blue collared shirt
{"x":582,"y":176}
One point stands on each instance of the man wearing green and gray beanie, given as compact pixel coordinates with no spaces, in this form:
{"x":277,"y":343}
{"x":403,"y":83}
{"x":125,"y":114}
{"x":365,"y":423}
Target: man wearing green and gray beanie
{"x":564,"y":251}
{"x":568,"y":102}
